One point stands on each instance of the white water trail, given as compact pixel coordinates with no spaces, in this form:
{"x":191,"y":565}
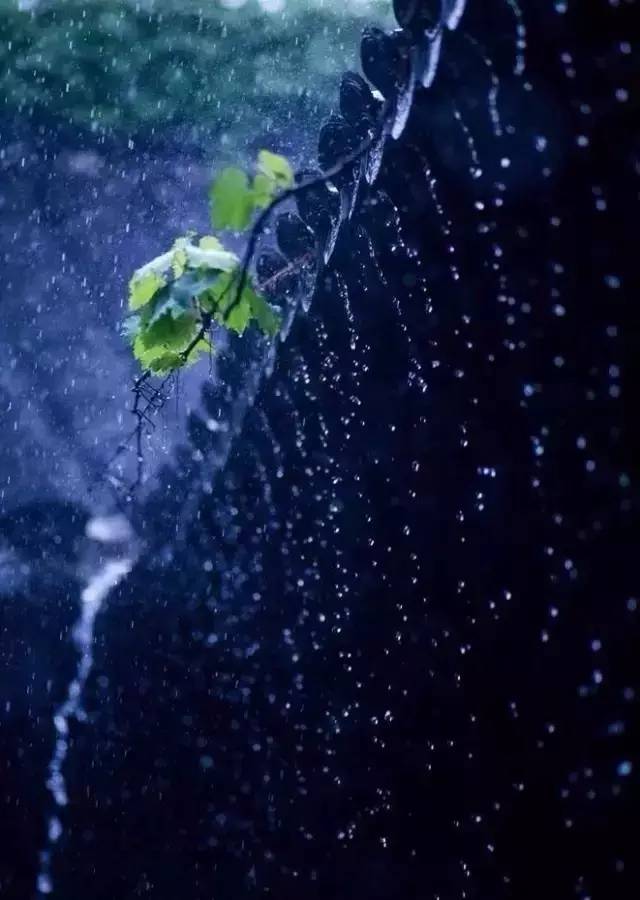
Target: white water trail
{"x":404,"y":102}
{"x":356,"y":187}
{"x":492,"y":99}
{"x":521,"y":37}
{"x":336,"y":222}
{"x":446,"y":225}
{"x":476,"y":168}
{"x":434,"y":46}
{"x":92,"y":599}
{"x":375,"y":154}
{"x":416,"y":374}
{"x":452,"y":12}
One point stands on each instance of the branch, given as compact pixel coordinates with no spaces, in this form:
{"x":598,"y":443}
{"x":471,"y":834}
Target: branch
{"x":295,"y":191}
{"x":154,"y":401}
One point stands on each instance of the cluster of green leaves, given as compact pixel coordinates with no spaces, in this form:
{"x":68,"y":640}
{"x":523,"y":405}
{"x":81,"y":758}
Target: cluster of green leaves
{"x":174,"y":299}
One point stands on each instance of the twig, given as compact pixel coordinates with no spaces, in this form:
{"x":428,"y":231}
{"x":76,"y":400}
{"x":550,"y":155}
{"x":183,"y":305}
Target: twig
{"x":287,"y":270}
{"x":155,"y":399}
{"x":288,"y":194}
{"x":152,"y":402}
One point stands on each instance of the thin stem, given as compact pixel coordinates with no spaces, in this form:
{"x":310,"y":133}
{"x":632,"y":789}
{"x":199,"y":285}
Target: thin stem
{"x":288,"y":194}
{"x":287,"y":270}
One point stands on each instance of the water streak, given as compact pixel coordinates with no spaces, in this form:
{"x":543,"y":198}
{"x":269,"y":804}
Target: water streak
{"x":98,"y":587}
{"x":521,"y":38}
{"x":404,"y":102}
{"x":452,"y":13}
{"x":434,"y":46}
{"x":492,"y":98}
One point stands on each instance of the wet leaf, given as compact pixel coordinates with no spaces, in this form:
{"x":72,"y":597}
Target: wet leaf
{"x":142,"y":289}
{"x":179,"y":262}
{"x":231,"y":200}
{"x":165,"y":363}
{"x":264,"y":190}
{"x":221,"y":301}
{"x":209,"y":242}
{"x":169,"y":332}
{"x":276,"y":167}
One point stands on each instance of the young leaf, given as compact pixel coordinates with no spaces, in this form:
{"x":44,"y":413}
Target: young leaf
{"x":169,"y":332}
{"x":170,"y":361}
{"x":264,"y":189}
{"x":218,"y":260}
{"x":237,"y":318}
{"x":276,"y":167}
{"x":144,"y":355}
{"x":165,"y":363}
{"x":179,"y":262}
{"x":220,"y":300}
{"x":266,"y":318}
{"x":142,"y":289}
{"x":209,"y":242}
{"x":220,"y":297}
{"x":174,"y":304}
{"x":231,"y":200}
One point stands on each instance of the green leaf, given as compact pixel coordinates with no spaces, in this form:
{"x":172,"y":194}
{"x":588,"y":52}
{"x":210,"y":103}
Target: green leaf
{"x":210,"y":298}
{"x":221,"y":297}
{"x":167,"y":362}
{"x":180,"y":296}
{"x":142,"y":289}
{"x":145,"y":355}
{"x":209,"y":242}
{"x":192,"y":287}
{"x":231,"y":199}
{"x":237,"y":319}
{"x":220,"y":300}
{"x":276,"y":167}
{"x":265,"y":316}
{"x":169,"y":332}
{"x":174,"y":304}
{"x":179,"y":262}
{"x":264,"y":190}
{"x":211,"y":260}
{"x":161,"y":360}
{"x":203,"y":346}
{"x":170,"y":361}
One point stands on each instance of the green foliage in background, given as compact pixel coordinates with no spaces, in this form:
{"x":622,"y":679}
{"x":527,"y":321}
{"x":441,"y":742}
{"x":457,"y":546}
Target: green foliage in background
{"x":175,"y":298}
{"x":118,"y":64}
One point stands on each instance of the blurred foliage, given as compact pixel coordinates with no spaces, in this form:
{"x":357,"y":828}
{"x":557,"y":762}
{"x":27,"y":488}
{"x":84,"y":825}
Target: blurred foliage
{"x":114,"y":64}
